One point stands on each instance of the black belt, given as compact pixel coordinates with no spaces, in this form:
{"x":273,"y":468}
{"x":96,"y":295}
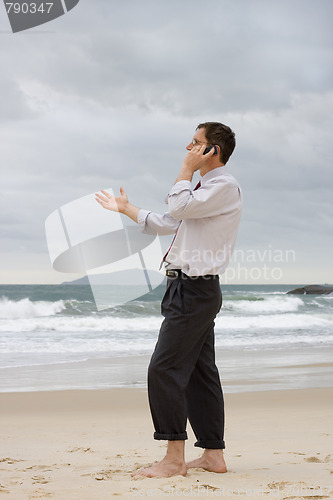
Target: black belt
{"x":175,"y":273}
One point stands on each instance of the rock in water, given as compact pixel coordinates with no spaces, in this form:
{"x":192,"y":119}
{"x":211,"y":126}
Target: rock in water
{"x":312,"y":289}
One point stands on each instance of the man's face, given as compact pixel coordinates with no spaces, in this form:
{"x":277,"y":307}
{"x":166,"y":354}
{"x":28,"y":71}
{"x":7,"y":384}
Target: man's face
{"x":199,"y":139}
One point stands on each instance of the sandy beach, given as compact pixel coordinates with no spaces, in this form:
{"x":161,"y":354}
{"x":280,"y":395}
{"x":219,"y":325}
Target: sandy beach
{"x":85,"y":444}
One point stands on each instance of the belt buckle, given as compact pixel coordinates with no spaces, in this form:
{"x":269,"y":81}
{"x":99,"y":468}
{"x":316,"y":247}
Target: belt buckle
{"x":172,"y":273}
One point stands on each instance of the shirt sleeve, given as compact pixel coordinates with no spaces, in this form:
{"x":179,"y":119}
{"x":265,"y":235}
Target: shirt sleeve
{"x":215,"y":197}
{"x":153,"y":223}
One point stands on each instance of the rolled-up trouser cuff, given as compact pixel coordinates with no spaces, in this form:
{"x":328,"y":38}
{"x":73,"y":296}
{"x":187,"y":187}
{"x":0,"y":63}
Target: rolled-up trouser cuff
{"x":171,"y":437}
{"x":211,"y":445}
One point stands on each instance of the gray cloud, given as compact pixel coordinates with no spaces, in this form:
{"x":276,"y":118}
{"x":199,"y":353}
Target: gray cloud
{"x":13,"y":104}
{"x":249,"y":56}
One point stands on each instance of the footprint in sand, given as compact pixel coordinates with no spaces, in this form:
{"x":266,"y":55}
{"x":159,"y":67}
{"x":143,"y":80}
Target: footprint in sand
{"x":39,"y":480}
{"x":106,"y":474}
{"x":76,"y":449}
{"x":210,"y":488}
{"x":10,"y":460}
{"x":277,"y":485}
{"x":41,"y":494}
{"x":314,"y":460}
{"x":42,"y":468}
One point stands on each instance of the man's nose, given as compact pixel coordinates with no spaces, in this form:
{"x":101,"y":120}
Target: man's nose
{"x":189,"y":146}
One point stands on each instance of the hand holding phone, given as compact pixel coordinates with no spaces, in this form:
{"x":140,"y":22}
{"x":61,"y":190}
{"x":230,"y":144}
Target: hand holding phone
{"x":208,"y":148}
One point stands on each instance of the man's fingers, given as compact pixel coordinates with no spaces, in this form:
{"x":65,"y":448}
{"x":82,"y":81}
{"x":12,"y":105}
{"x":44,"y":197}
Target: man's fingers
{"x":100,"y":197}
{"x":101,"y":201}
{"x":106,"y":193}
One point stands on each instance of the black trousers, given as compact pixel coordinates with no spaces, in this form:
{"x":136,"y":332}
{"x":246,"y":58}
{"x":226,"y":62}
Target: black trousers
{"x":183,"y":380}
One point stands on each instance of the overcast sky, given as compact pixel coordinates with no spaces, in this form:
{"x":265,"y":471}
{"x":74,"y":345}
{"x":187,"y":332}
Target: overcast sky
{"x":109,"y":95}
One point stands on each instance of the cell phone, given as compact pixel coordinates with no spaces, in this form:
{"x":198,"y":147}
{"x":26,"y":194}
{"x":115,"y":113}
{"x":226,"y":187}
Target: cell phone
{"x":208,"y":148}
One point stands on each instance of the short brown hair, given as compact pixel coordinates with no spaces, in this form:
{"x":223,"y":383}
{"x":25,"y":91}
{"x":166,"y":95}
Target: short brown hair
{"x":221,"y":135}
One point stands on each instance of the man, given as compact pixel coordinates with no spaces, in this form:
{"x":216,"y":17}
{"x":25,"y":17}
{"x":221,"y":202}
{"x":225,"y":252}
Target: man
{"x":183,"y":380}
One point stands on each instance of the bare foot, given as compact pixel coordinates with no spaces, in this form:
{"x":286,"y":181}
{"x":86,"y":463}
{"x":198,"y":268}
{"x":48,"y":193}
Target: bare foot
{"x":211,"y":460}
{"x":164,"y":468}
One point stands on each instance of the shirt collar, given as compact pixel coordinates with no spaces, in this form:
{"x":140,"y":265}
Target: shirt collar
{"x":216,"y":172}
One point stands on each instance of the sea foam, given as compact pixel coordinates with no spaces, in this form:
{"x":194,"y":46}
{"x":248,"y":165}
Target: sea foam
{"x":265,"y":305}
{"x":25,"y":308}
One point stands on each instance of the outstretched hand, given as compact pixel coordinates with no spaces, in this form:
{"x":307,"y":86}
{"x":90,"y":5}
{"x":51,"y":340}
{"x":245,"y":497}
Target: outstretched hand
{"x":118,"y":204}
{"x":113,"y":203}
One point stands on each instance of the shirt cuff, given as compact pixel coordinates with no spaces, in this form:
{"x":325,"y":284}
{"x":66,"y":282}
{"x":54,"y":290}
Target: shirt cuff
{"x":142,"y":216}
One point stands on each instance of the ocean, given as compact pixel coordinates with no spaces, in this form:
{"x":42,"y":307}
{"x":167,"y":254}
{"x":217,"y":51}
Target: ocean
{"x":53,"y":338}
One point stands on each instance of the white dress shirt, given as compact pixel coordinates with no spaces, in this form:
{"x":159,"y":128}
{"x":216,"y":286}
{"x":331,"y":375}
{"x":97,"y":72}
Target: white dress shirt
{"x":205,"y":222}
